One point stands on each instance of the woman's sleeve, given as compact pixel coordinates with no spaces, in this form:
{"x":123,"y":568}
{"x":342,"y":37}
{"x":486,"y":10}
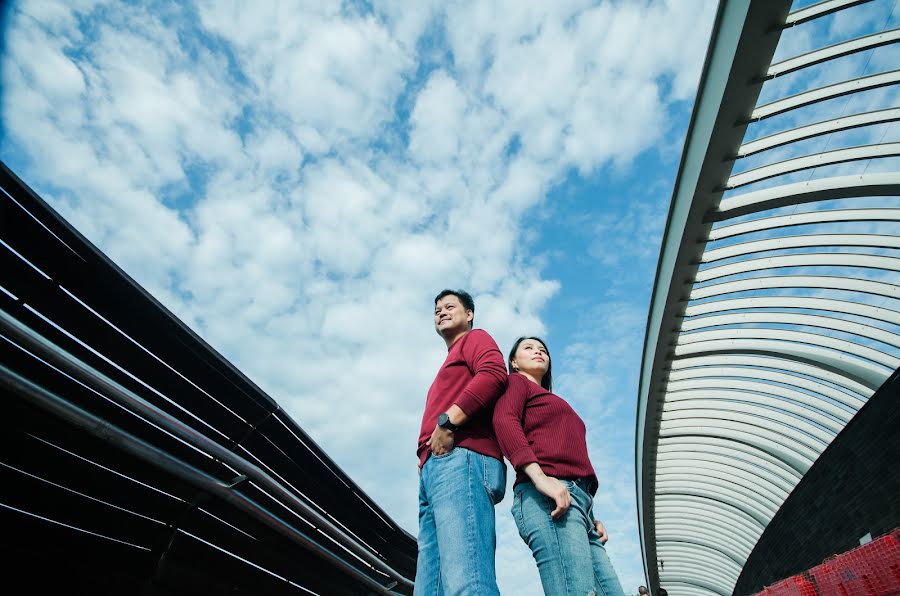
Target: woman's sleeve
{"x":508,"y":423}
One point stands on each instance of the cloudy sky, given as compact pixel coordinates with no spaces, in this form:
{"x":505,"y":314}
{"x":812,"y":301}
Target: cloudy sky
{"x":296,"y":181}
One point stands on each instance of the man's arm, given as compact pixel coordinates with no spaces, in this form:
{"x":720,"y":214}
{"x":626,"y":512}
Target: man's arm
{"x":484,"y":359}
{"x":489,"y":376}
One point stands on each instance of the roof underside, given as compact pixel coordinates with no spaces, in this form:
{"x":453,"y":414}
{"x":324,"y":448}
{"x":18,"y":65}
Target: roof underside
{"x":776,"y":309}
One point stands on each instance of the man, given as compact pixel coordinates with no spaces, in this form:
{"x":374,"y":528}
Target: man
{"x":461,"y":471}
{"x":643,"y":591}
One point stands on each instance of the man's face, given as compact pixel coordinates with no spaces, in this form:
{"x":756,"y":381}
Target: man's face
{"x":450,"y":317}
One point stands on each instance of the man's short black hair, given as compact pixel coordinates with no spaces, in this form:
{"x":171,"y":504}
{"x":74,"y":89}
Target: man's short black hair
{"x":464,"y":298}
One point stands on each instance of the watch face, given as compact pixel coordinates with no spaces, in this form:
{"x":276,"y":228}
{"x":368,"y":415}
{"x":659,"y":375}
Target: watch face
{"x":443,"y":419}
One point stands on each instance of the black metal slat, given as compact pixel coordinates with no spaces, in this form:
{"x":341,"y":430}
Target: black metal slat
{"x":335,"y":493}
{"x":82,"y":269}
{"x":197,"y":568}
{"x":78,"y":395}
{"x":19,"y":231}
{"x":42,"y":445}
{"x":46,"y":298}
{"x":50,"y":559}
{"x":269,"y":549}
{"x":44,"y":499}
{"x":108,"y":290}
{"x":362,"y":514}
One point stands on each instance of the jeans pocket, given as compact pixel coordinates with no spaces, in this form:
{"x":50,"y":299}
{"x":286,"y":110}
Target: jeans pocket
{"x":444,"y":455}
{"x":493,"y":477}
{"x":518,"y":516}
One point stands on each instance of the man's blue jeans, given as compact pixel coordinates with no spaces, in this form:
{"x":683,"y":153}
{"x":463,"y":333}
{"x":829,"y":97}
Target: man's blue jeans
{"x":570,"y":558}
{"x":457,"y":537}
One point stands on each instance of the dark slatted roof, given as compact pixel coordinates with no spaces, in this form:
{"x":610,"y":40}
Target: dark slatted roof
{"x":116,"y":486}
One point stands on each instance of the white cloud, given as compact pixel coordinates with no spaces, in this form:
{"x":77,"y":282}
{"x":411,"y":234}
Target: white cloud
{"x":287,"y":180}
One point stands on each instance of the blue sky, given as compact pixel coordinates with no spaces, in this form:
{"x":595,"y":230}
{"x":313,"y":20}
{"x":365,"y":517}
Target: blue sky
{"x":296,"y":182}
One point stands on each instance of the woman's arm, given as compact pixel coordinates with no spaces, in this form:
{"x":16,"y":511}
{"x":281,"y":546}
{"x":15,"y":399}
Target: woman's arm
{"x":550,"y":487}
{"x":508,"y":415}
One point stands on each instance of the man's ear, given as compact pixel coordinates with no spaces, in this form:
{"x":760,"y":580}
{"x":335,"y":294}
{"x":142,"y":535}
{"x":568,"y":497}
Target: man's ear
{"x":470,"y":315}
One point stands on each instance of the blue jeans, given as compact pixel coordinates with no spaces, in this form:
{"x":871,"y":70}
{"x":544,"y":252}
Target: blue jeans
{"x":457,"y":540}
{"x":570,"y":558}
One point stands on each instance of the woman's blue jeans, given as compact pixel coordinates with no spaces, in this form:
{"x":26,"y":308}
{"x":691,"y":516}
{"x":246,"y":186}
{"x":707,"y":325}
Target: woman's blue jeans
{"x":570,"y":558}
{"x":457,"y":535}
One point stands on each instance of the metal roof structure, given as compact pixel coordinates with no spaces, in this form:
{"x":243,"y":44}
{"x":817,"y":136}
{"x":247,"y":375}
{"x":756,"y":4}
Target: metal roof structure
{"x":136,"y":459}
{"x":775,"y":313}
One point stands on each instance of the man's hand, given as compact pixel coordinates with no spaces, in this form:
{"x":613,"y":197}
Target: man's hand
{"x":601,"y":531}
{"x":441,"y":441}
{"x":556,"y":490}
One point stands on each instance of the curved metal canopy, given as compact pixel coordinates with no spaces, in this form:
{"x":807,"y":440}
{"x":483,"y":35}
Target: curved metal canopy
{"x":776,"y":312}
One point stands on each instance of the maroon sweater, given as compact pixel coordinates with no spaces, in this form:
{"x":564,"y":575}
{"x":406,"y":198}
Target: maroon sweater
{"x":534,"y":425}
{"x":473,"y":376}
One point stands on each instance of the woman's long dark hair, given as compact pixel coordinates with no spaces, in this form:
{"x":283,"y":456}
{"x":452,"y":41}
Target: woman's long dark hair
{"x":547,"y":379}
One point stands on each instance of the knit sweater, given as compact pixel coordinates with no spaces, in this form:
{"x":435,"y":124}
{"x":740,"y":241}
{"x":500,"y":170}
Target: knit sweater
{"x":534,"y":425}
{"x":473,"y":376}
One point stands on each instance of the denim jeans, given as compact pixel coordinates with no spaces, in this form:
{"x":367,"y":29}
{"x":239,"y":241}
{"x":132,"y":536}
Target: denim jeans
{"x":570,"y":558}
{"x":457,"y":539}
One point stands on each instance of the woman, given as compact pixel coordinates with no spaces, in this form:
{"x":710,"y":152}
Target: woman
{"x":544,"y":439}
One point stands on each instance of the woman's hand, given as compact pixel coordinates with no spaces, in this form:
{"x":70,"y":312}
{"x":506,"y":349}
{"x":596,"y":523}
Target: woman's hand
{"x":601,"y":531}
{"x":556,"y":490}
{"x":549,"y":487}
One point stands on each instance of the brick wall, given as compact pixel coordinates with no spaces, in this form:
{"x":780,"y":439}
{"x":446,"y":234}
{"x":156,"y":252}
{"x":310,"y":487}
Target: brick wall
{"x":852,"y":489}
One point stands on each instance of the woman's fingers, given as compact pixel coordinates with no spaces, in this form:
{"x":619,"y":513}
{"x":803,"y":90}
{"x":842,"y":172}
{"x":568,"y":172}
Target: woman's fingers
{"x":563,"y":501}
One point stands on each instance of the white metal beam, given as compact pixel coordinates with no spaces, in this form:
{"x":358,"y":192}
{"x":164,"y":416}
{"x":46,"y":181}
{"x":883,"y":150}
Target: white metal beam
{"x":737,"y":551}
{"x":711,"y":506}
{"x":819,"y":9}
{"x":738,"y":478}
{"x":728,"y":448}
{"x":845,"y":48}
{"x":714,"y":523}
{"x":800,"y":241}
{"x":783,"y":365}
{"x":788,"y":449}
{"x":865,"y":261}
{"x":773,"y":474}
{"x":814,"y":394}
{"x":825,"y":282}
{"x":816,"y":160}
{"x":713,"y":515}
{"x":741,"y":401}
{"x":787,"y":318}
{"x":819,"y":128}
{"x":876,"y":313}
{"x":805,"y":218}
{"x":714,"y":453}
{"x":822,"y":93}
{"x":801,"y":340}
{"x":809,"y":435}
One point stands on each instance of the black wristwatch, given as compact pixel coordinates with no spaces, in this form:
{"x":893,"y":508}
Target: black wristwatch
{"x":444,"y":422}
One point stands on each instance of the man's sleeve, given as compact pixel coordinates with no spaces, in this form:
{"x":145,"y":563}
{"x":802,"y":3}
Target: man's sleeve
{"x":508,"y":423}
{"x":486,"y":363}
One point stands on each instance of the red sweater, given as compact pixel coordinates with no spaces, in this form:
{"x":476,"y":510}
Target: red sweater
{"x":534,"y":425}
{"x":473,"y":376}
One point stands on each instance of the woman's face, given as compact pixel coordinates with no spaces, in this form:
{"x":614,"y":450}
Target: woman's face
{"x":532,"y":358}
